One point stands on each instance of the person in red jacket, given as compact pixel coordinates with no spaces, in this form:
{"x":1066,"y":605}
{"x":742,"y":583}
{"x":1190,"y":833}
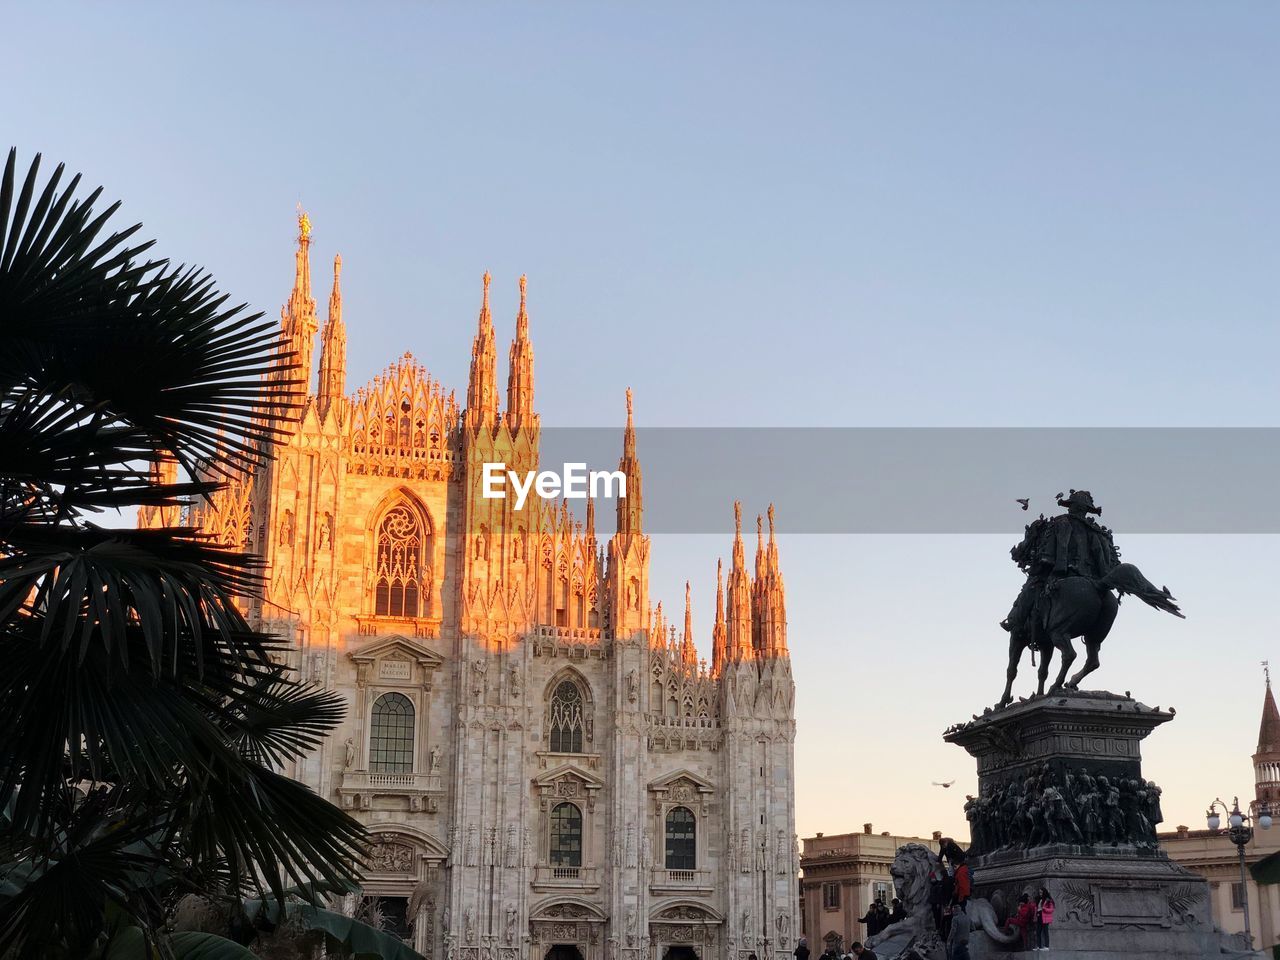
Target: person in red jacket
{"x":1023,"y":918}
{"x":1044,"y":917}
{"x":964,"y":883}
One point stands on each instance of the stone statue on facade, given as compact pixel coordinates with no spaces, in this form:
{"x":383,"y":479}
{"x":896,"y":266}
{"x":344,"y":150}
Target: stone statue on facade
{"x":1073,"y":576}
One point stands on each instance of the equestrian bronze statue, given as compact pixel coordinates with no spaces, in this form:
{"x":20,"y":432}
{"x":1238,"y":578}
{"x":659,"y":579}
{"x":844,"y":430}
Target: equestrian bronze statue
{"x":1074,"y":575}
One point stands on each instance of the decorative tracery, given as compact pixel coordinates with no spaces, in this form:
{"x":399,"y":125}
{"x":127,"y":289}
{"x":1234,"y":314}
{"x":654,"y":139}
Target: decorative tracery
{"x":403,"y":424}
{"x":567,"y":718}
{"x":401,"y":585}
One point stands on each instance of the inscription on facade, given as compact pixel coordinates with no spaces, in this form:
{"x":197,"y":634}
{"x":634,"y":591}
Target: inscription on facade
{"x":394,"y":670}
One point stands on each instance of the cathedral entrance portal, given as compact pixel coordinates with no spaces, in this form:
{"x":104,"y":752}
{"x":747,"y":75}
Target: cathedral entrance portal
{"x":563,"y":951}
{"x":680,"y":953}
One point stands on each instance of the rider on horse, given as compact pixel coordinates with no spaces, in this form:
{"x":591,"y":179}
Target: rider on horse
{"x":1072,"y":544}
{"x":1074,"y":575}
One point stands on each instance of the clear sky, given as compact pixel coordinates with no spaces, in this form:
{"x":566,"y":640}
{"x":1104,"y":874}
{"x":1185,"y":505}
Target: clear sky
{"x":980,"y":214}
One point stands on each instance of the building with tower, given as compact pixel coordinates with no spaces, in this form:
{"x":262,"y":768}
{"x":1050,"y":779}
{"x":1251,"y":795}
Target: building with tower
{"x":1212,"y":855}
{"x":547,"y":768}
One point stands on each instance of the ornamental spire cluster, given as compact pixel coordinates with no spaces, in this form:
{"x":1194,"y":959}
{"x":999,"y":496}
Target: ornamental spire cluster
{"x":404,"y":424}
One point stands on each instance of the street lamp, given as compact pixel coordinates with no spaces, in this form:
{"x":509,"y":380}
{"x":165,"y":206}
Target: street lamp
{"x":1240,"y":832}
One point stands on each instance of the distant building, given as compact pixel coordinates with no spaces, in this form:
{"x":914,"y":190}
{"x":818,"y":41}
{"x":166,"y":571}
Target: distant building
{"x":1212,"y":855}
{"x":842,"y":875}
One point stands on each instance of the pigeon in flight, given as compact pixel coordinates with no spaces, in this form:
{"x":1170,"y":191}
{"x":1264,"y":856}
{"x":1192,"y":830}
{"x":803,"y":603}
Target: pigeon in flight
{"x":1025,"y":501}
{"x":943,"y":785}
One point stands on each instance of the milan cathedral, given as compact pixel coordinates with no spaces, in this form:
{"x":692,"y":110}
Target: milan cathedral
{"x":547,"y":768}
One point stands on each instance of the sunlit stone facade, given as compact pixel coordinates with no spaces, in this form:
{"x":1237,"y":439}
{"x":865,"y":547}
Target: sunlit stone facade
{"x":545,"y":764}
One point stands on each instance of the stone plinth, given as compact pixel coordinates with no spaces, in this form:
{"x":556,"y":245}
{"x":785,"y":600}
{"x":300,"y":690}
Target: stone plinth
{"x":1063,"y":804}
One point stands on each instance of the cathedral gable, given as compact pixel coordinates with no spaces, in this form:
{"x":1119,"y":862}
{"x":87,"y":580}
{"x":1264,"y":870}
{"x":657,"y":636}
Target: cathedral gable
{"x":397,"y":659}
{"x":567,"y":782}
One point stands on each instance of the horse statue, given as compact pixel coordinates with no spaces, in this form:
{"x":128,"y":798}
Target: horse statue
{"x":1074,"y":581}
{"x":915,"y":937}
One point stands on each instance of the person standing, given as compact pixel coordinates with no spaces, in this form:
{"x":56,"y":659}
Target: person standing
{"x":864,"y":953}
{"x":1024,"y":918}
{"x":882,"y":916}
{"x":802,"y":949}
{"x":871,"y":920}
{"x":940,"y":889}
{"x":1044,"y":917}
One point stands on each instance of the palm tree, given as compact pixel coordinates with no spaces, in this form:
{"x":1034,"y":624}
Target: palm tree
{"x":143,"y":721}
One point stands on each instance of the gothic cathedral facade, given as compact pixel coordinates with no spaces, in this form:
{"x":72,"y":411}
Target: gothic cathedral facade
{"x":546,"y":767}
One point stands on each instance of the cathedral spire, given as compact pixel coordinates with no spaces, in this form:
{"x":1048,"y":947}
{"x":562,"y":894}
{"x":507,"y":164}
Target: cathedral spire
{"x":771,"y":559}
{"x":333,"y":349}
{"x":482,"y":391}
{"x":630,"y":507}
{"x":772,"y":601}
{"x":757,"y":590}
{"x":164,"y":472}
{"x":718,"y":632}
{"x":738,"y":619}
{"x":688,"y":652}
{"x":520,"y":370}
{"x":759,"y":546}
{"x":629,"y":547}
{"x":298,"y":316}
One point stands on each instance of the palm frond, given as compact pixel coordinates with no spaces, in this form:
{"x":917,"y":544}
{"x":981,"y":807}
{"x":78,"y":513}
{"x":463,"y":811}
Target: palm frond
{"x":111,"y":363}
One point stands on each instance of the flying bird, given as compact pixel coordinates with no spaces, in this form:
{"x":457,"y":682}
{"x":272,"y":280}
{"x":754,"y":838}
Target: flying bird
{"x":1025,"y":501}
{"x":943,"y":785}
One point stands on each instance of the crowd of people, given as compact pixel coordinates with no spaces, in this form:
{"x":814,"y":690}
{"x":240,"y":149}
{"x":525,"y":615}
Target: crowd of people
{"x":950,"y":887}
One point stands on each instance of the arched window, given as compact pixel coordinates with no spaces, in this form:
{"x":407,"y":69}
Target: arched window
{"x":398,"y":565}
{"x":566,"y":836}
{"x":681,"y":839}
{"x":391,"y":736}
{"x":567,"y":721}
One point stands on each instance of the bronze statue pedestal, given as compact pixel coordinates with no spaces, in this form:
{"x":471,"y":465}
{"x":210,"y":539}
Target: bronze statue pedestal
{"x":1062,"y":804}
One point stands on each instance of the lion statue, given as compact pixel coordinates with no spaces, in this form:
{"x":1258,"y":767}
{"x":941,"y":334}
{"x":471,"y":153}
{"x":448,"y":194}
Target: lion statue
{"x":915,"y":936}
